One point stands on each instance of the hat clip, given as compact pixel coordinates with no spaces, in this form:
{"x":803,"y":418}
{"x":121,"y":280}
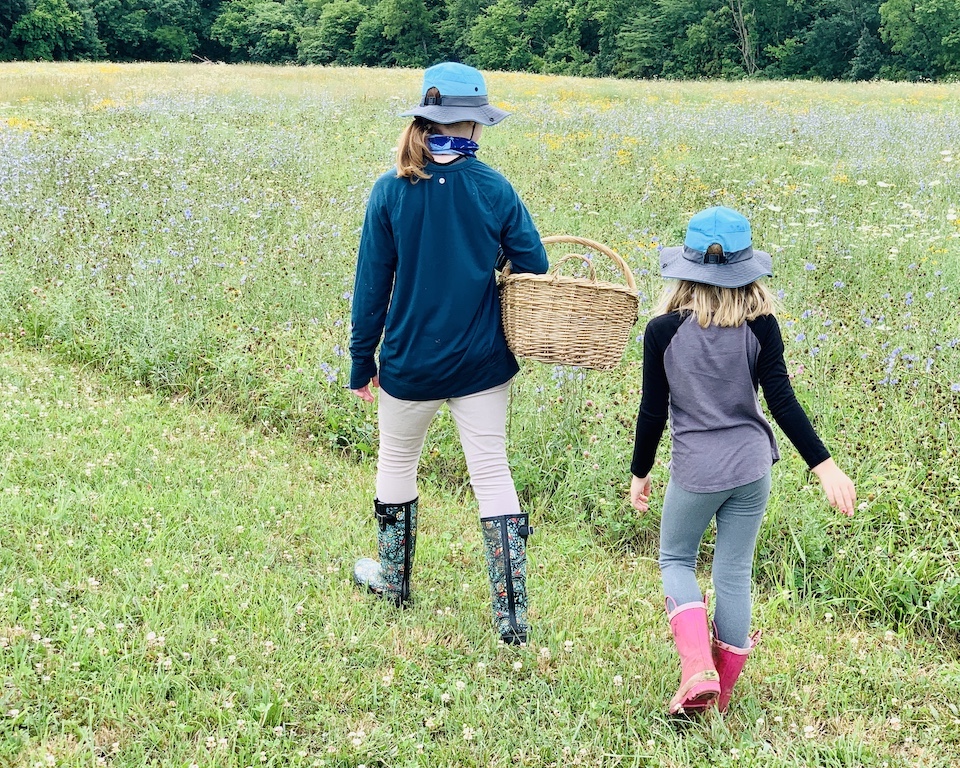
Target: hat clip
{"x":715,"y":258}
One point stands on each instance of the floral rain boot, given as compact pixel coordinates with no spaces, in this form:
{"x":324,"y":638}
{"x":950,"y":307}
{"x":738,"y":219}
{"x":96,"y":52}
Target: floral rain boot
{"x":396,"y":542}
{"x":505,"y":543}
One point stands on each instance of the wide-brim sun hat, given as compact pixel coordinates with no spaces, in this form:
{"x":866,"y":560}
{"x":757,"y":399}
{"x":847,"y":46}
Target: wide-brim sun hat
{"x":463,"y":97}
{"x":738,"y":265}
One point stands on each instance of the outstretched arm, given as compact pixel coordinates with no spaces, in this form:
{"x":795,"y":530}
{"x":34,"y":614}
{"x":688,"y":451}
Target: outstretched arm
{"x":793,"y":420}
{"x":839,"y":488}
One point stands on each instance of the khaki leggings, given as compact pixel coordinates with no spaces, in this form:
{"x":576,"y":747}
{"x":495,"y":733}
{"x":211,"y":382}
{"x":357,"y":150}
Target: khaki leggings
{"x":481,"y":420}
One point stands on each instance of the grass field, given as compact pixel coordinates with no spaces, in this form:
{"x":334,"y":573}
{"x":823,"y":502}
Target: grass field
{"x":185,"y":483}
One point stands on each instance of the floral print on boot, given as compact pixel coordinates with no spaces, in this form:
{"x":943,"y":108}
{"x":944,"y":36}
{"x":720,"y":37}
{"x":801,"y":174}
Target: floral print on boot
{"x":396,"y":544}
{"x":505,"y":543}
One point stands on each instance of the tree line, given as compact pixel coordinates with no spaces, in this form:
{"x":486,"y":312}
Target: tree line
{"x":821,"y":39}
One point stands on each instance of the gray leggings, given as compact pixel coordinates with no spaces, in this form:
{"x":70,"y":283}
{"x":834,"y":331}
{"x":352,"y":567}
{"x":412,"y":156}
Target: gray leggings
{"x":685,"y":518}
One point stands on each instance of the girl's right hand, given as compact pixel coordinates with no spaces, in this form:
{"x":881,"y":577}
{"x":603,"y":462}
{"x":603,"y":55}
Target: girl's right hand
{"x":364,"y":393}
{"x":640,"y":493}
{"x":839,"y":488}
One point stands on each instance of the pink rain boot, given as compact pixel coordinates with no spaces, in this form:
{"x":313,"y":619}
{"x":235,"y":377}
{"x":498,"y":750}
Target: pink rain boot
{"x":699,"y":681}
{"x":729,"y":661}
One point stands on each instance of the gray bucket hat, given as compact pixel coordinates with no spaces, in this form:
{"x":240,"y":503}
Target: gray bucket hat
{"x":736,"y":266}
{"x":463,"y":97}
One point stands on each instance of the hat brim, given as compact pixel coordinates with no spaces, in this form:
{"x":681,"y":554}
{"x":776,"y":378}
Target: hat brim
{"x":674,"y":266}
{"x":436,"y":113}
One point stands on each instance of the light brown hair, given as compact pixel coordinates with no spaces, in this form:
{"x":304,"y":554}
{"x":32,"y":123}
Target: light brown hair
{"x":413,"y":151}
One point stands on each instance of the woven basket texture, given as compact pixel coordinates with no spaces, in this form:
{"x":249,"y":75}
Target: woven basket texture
{"x":565,"y":320}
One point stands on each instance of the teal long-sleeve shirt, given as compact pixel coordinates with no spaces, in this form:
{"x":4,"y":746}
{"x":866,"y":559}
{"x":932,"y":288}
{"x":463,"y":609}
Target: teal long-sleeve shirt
{"x":426,"y":283}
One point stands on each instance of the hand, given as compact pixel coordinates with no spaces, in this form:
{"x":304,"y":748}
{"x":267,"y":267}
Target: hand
{"x":640,"y":493}
{"x":364,"y":393}
{"x":838,"y":487}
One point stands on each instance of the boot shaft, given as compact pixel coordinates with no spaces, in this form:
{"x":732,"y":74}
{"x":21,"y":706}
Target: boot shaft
{"x":691,"y":634}
{"x":396,"y":546}
{"x":730,"y":662}
{"x":699,"y":680}
{"x":505,"y":545}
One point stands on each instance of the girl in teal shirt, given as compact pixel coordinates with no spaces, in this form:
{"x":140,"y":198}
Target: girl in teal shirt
{"x":435,"y":230}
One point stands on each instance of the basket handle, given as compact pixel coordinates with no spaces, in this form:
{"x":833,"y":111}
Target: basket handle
{"x":580,"y":257}
{"x":616,"y":259}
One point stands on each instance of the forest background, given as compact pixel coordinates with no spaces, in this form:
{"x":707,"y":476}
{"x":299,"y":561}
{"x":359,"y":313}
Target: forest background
{"x":806,"y":39}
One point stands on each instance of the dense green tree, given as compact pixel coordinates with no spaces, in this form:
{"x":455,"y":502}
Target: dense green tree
{"x":640,"y":43}
{"x":496,"y":40}
{"x":331,"y":39}
{"x":707,"y":48}
{"x":397,"y":33}
{"x":826,"y":39}
{"x":926,"y":36}
{"x":455,"y":19}
{"x":688,"y":35}
{"x":151,"y":30}
{"x":209,"y":10}
{"x":609,"y":16}
{"x":408,"y":28}
{"x":10,"y":12}
{"x":773,"y":22}
{"x":90,"y":45}
{"x":370,"y":47}
{"x":543,"y":22}
{"x":572,"y":48}
{"x":257,"y":30}
{"x":49,"y":30}
{"x":868,"y":57}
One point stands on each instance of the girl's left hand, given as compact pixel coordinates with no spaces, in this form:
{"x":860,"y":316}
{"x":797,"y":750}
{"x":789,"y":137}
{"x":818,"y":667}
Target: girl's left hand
{"x":640,"y":493}
{"x":840,"y":490}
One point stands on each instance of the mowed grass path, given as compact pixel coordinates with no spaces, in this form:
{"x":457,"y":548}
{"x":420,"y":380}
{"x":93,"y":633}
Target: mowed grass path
{"x":176,"y":592}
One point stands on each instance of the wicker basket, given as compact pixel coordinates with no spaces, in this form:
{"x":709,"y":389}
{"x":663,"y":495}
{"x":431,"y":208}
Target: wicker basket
{"x":566,"y":320}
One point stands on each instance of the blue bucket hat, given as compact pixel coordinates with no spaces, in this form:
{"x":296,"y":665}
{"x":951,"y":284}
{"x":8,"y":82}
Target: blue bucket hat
{"x":738,"y":264}
{"x":463,"y":97}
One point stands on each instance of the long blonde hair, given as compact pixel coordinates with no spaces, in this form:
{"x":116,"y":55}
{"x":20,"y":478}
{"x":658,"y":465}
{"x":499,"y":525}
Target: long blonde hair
{"x":724,"y":307}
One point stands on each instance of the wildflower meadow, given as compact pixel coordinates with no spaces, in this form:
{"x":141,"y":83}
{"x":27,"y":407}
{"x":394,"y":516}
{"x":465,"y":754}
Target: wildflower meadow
{"x":185,"y":481}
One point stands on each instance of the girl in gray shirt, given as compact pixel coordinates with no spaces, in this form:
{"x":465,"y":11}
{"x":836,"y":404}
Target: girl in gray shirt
{"x":714,"y":344}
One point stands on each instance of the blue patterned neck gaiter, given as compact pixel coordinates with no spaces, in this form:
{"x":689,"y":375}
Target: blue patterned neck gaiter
{"x":452,"y":145}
